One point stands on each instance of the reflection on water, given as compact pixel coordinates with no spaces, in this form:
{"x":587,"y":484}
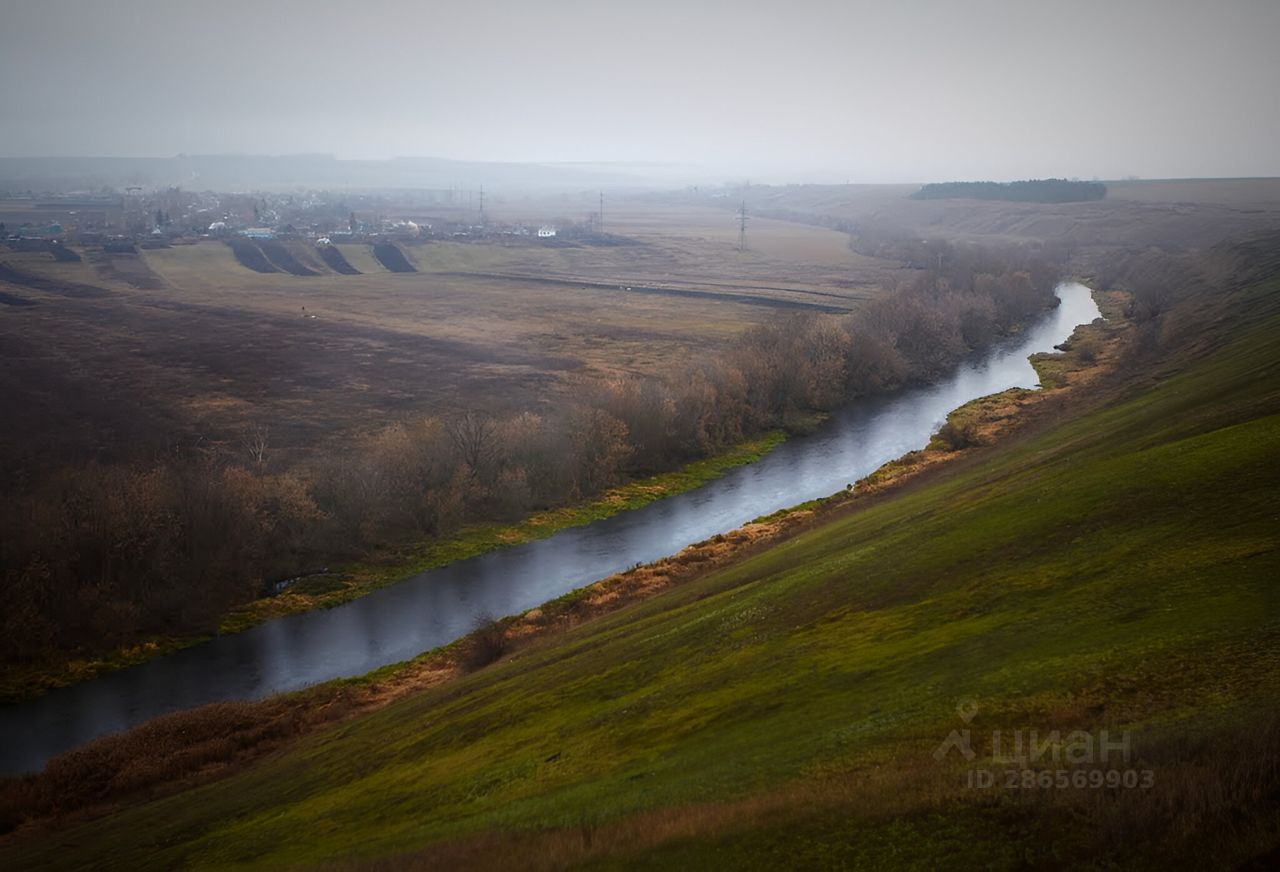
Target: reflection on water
{"x":437,"y":606}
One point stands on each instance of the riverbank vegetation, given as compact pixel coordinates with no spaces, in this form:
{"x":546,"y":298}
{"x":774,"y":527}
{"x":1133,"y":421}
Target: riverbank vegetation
{"x":99,"y":558}
{"x":1109,"y":568}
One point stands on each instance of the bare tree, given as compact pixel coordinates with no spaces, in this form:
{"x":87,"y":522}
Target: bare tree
{"x":475,"y":435}
{"x":256,"y":441}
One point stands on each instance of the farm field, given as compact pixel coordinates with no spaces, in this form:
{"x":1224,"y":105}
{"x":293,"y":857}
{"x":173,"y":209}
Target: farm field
{"x":186,"y":344}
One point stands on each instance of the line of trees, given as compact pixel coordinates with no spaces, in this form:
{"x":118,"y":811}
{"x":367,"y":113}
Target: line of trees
{"x":1028,"y":191}
{"x":98,"y":555}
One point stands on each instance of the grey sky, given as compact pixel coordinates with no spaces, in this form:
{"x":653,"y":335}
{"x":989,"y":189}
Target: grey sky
{"x":790,"y":89}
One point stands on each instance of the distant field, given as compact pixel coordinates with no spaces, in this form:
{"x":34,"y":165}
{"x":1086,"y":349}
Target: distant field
{"x":1230,"y":192}
{"x":1190,"y":212}
{"x":186,"y":344}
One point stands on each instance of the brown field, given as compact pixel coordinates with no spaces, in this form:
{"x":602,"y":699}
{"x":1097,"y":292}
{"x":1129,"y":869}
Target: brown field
{"x":185,"y":346}
{"x":1228,"y":192}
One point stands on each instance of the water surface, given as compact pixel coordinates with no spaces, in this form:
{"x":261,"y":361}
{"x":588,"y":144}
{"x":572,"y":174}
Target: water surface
{"x":438,"y":606}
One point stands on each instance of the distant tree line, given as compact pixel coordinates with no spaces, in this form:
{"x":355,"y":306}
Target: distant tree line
{"x":1029,"y":191}
{"x":99,"y":555}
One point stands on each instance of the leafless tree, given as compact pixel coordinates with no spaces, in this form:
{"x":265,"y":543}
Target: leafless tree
{"x":256,"y":442}
{"x":475,"y":435}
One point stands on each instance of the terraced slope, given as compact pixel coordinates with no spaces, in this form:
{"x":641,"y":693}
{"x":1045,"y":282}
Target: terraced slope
{"x":1116,"y":571}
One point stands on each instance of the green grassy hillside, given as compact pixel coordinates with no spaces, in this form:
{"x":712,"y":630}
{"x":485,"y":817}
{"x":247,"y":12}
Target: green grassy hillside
{"x":1116,"y":571}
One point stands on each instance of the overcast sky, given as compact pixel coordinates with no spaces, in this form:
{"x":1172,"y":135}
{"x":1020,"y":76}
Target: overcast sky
{"x":786,"y":89}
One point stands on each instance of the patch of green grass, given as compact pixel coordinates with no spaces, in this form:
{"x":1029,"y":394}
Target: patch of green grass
{"x":1116,"y":571}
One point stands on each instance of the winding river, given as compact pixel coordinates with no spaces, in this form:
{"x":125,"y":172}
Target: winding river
{"x":439,"y":605}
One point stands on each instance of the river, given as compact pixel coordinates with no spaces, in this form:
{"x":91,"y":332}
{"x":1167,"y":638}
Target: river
{"x":437,"y":606}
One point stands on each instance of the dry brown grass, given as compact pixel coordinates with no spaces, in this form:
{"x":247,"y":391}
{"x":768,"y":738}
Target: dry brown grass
{"x":190,"y":347}
{"x":166,"y":754}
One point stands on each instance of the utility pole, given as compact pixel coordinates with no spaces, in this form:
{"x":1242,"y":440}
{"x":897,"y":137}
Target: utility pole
{"x":742,"y":227}
{"x":482,"y":205}
{"x":602,"y":212}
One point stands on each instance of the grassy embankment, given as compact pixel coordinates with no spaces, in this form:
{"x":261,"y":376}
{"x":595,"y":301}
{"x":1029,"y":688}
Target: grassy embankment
{"x":354,"y":580}
{"x":1115,"y":571}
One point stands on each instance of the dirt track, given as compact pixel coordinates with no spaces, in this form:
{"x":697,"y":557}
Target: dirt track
{"x":687,"y":293}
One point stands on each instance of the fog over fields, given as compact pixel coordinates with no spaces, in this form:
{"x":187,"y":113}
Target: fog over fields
{"x":825,"y":91}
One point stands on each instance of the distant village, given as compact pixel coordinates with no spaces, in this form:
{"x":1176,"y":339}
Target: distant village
{"x":135,"y":218}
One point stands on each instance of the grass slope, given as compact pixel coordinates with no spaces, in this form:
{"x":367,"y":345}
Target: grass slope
{"x":1116,"y":571}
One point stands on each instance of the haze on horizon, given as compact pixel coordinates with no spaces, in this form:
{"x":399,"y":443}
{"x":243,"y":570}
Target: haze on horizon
{"x":814,"y":90}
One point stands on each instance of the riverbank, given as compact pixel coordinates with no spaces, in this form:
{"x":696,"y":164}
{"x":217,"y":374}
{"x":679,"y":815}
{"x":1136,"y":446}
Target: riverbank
{"x":194,"y":746}
{"x":351,"y":581}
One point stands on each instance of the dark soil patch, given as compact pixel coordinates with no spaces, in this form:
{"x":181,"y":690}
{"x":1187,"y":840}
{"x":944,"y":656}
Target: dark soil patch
{"x":282,"y":259}
{"x":49,"y":286}
{"x":336,"y":261}
{"x":11,"y":300}
{"x":392,"y":257}
{"x":128,"y":268}
{"x":62,"y":254}
{"x":250,"y":256}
